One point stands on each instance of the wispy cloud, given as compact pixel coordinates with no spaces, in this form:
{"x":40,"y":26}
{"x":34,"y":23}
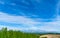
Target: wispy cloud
{"x":17,"y":19}
{"x":33,"y":24}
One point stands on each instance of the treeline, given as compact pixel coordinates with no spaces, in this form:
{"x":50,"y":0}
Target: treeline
{"x":4,"y":33}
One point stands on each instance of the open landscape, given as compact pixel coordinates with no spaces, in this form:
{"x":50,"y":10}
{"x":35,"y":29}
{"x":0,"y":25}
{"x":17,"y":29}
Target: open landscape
{"x":29,"y":18}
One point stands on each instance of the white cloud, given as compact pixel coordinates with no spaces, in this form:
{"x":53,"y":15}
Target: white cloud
{"x":47,"y":26}
{"x":16,"y":19}
{"x":33,"y":24}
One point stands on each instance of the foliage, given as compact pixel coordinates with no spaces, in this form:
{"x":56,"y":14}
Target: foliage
{"x":4,"y":33}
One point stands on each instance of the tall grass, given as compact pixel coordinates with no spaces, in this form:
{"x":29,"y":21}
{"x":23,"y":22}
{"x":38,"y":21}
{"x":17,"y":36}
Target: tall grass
{"x":16,"y":34}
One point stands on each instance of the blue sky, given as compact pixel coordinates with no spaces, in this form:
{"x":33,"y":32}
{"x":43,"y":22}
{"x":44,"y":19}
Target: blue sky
{"x":27,"y":15}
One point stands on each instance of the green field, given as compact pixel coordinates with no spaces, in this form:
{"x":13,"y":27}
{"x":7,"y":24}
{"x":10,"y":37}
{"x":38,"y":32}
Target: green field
{"x":4,"y":33}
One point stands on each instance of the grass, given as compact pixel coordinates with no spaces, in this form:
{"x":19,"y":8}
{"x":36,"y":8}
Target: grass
{"x":16,"y":34}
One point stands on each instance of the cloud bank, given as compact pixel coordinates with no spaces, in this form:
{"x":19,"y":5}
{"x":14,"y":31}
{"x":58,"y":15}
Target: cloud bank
{"x":31,"y":23}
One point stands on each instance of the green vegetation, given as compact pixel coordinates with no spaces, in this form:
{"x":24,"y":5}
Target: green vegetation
{"x":4,"y":33}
